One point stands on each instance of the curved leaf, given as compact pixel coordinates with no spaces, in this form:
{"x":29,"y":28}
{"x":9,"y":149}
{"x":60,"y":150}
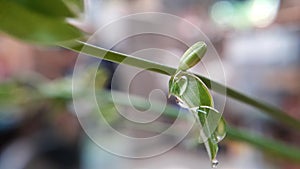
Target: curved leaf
{"x":194,"y":95}
{"x":195,"y":92}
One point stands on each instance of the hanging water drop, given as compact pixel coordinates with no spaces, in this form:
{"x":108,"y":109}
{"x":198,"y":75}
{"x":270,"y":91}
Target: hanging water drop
{"x":214,"y":163}
{"x":191,"y":93}
{"x":220,"y":131}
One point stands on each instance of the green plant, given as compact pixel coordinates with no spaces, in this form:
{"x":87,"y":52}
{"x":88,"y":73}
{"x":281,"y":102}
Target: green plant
{"x":192,"y":93}
{"x":37,"y":22}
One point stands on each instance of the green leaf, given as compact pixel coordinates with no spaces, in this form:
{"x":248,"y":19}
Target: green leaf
{"x":193,"y":93}
{"x":190,"y":89}
{"x":48,"y":8}
{"x":211,"y":132}
{"x":208,"y":117}
{"x":33,"y":27}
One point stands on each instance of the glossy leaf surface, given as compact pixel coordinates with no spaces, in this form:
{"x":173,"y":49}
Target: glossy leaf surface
{"x":194,"y":95}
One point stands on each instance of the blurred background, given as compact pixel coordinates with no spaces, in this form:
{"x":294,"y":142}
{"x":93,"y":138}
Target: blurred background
{"x":259,"y":46}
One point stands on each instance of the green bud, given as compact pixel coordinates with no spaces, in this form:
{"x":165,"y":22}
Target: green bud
{"x":192,"y":56}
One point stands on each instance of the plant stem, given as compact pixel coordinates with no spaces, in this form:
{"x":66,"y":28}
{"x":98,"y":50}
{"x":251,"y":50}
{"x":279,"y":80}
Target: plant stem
{"x":274,"y":147}
{"x":120,"y":58}
{"x":269,"y":145}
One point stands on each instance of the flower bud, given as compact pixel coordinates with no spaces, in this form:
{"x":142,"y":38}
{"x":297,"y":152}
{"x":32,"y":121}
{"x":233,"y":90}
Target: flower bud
{"x":192,"y":56}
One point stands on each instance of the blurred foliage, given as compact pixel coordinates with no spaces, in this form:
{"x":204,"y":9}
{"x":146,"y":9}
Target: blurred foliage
{"x":40,"y":22}
{"x":53,"y":8}
{"x":18,"y":95}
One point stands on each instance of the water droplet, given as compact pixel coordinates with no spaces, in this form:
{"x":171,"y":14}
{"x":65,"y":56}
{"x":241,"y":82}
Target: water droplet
{"x":220,"y":131}
{"x":214,"y":163}
{"x":182,"y":83}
